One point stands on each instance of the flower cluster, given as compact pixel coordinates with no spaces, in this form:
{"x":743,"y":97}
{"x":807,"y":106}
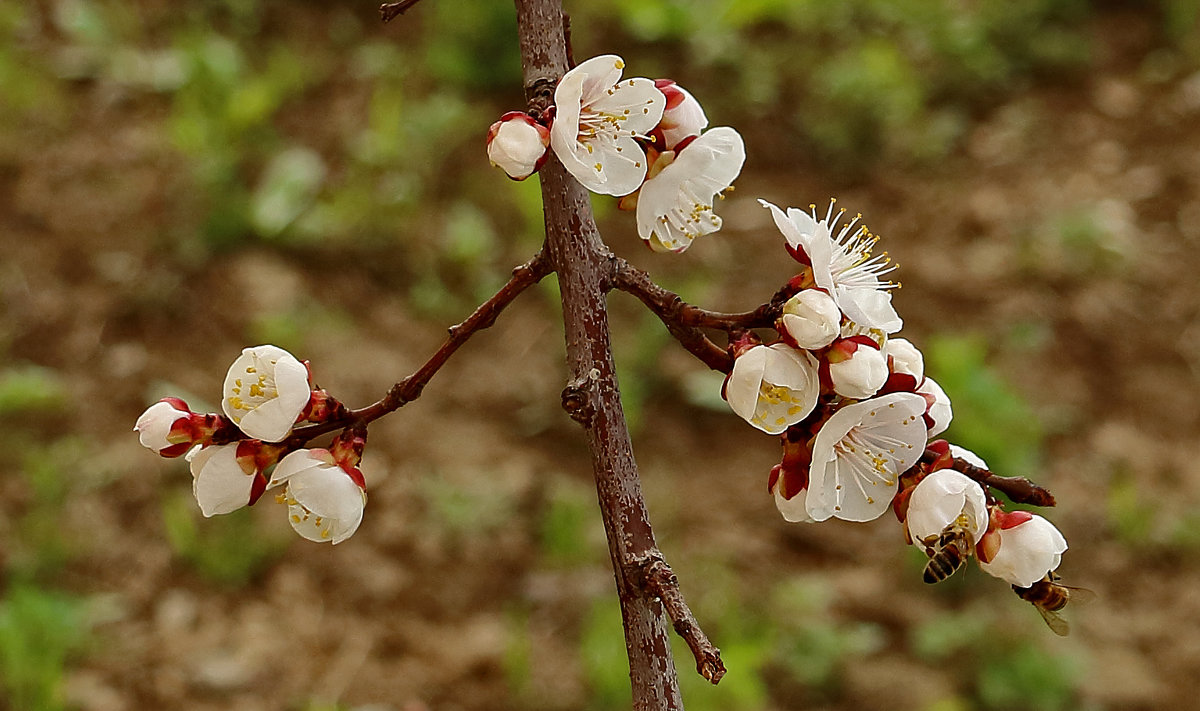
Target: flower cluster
{"x":855,"y":412}
{"x":640,"y":140}
{"x":238,"y":456}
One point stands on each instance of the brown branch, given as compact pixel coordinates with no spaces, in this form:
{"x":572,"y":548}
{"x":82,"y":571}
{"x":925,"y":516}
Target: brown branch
{"x":1017,"y":488}
{"x":581,"y":260}
{"x":410,"y":388}
{"x":669,"y":306}
{"x":685,"y":321}
{"x":660,"y":581}
{"x":391,"y":10}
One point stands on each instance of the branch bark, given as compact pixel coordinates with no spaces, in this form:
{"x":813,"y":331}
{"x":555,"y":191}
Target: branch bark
{"x":582,"y":262}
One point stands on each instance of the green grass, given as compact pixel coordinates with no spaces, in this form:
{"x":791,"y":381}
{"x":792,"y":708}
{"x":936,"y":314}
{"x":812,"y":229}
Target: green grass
{"x":40,"y":632}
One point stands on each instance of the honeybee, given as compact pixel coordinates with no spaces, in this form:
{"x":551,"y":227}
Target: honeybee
{"x":1049,"y":596}
{"x":947,"y":551}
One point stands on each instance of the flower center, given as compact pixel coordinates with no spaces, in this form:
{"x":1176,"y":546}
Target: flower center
{"x":252,"y":391}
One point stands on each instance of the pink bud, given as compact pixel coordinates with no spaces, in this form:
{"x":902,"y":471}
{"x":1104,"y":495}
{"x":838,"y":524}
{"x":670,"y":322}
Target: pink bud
{"x":683,"y":116}
{"x":164,"y":427}
{"x":517,"y":144}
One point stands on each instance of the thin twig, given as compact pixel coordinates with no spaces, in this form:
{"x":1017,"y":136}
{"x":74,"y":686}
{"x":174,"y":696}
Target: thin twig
{"x":1017,"y":488}
{"x":391,"y":10}
{"x":660,"y":581}
{"x":410,"y":388}
{"x":685,"y":321}
{"x":668,"y":305}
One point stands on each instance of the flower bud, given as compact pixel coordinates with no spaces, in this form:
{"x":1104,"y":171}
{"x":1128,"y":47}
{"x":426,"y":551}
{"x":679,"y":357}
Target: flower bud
{"x":682,"y":117}
{"x":1027,"y":551}
{"x":812,"y":319}
{"x":906,"y":365}
{"x":938,"y":412}
{"x":943,"y":498}
{"x":788,"y":482}
{"x":857,"y":368}
{"x":517,"y":144}
{"x":164,"y":427}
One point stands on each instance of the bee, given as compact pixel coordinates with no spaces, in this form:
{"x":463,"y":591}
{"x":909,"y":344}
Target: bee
{"x":947,"y":551}
{"x":1049,"y":597}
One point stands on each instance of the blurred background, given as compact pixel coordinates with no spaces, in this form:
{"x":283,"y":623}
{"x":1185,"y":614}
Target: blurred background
{"x":180,"y":180}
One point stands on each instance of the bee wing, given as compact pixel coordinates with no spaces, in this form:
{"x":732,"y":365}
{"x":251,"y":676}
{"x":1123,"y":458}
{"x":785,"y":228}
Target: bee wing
{"x":1056,"y":622}
{"x":1082,"y":596}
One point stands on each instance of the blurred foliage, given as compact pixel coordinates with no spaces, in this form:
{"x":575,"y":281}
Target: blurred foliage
{"x":29,"y":389}
{"x":991,"y":418}
{"x":40,"y":630}
{"x":229,"y":551}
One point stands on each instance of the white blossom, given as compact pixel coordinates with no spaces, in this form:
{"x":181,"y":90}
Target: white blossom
{"x":517,"y":144}
{"x":220,"y":482}
{"x":265,"y":392}
{"x":859,"y":453}
{"x":597,"y":118}
{"x":938,"y":412}
{"x":812,"y":318}
{"x":325,"y":502}
{"x":773,"y":387}
{"x":675,"y":205}
{"x":842,"y":264}
{"x":1027,"y":552}
{"x":940,"y":499}
{"x":155,"y":424}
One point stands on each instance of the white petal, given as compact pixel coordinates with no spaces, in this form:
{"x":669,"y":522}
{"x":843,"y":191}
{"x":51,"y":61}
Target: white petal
{"x":870,"y":307}
{"x":859,"y":453}
{"x":675,"y":206}
{"x":905,"y":357}
{"x":812,"y":318}
{"x":155,"y":424}
{"x":636,"y":102}
{"x":1027,"y":552}
{"x":940,"y":411}
{"x":793,"y":510}
{"x":861,"y":375}
{"x":741,"y":391}
{"x":939,"y":499}
{"x":686,"y":119}
{"x":296,"y":462}
{"x":265,"y":391}
{"x":219,"y":483}
{"x":968,"y":455}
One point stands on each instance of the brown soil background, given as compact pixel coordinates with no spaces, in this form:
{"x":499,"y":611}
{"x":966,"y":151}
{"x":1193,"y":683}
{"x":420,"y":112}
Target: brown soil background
{"x":414,"y":613}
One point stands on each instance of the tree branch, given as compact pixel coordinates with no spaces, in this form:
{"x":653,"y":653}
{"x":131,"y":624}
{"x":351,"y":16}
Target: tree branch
{"x":669,"y":306}
{"x":582,"y":262}
{"x":391,"y":10}
{"x":660,"y":581}
{"x":409,"y":389}
{"x":1017,"y":488}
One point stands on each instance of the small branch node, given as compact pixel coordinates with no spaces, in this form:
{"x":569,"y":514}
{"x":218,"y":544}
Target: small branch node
{"x":577,"y":401}
{"x":658,"y":580}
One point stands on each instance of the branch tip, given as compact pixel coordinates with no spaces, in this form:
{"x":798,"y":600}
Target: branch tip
{"x":391,"y":10}
{"x":658,"y":580}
